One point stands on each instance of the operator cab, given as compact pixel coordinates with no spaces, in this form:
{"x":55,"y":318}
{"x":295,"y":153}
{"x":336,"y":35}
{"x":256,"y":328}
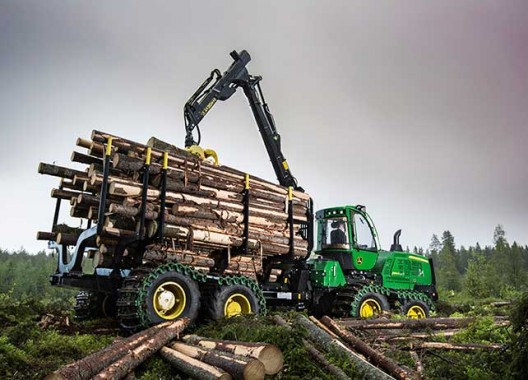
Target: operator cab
{"x":347,"y":234}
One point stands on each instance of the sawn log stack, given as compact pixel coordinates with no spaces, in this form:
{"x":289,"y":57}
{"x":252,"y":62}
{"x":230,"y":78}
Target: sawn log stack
{"x":206,"y":207}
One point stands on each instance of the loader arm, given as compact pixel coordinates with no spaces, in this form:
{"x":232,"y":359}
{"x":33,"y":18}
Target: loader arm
{"x":222,"y":87}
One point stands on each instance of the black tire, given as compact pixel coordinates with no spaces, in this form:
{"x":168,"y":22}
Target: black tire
{"x":88,"y":305}
{"x":229,"y":300}
{"x":108,"y":306}
{"x":172,"y":296}
{"x":415,"y":309}
{"x":372,"y":305}
{"x":324,"y":305}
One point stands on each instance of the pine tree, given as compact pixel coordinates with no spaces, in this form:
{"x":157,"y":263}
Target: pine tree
{"x":449,"y":277}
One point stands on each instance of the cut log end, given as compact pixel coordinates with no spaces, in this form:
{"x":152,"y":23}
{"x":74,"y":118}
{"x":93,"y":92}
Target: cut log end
{"x":272,"y":358}
{"x":255,"y":370}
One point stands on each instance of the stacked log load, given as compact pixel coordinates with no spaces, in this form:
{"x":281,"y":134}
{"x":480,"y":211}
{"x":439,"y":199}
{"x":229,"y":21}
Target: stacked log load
{"x":204,"y":216}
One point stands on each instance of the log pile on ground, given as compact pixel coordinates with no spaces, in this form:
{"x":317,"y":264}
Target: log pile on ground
{"x":204,"y":206}
{"x":196,"y":357}
{"x":374,"y":338}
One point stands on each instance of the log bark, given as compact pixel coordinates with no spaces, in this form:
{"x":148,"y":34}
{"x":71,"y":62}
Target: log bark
{"x":193,"y":367}
{"x":418,"y":363}
{"x":184,"y":257}
{"x":239,"y":367}
{"x":411,"y":324}
{"x":371,"y":354}
{"x":269,"y":354}
{"x":143,"y":351}
{"x":323,"y":339}
{"x":64,"y":194}
{"x":415,"y":336}
{"x":130,"y":189}
{"x":468,"y":347}
{"x":43,"y":235}
{"x":58,"y":171}
{"x":181,"y":156}
{"x":68,"y":239}
{"x":89,"y":366}
{"x":317,"y":355}
{"x":85,"y":158}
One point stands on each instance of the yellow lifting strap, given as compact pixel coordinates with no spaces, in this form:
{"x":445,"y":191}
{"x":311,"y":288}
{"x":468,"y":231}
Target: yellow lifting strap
{"x":203,"y":153}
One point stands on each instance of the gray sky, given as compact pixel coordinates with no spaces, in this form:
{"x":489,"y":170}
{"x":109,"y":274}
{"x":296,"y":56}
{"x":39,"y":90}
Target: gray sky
{"x":417,"y":109}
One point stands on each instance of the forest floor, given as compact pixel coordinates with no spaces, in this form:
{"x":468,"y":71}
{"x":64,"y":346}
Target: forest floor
{"x":37,"y":338}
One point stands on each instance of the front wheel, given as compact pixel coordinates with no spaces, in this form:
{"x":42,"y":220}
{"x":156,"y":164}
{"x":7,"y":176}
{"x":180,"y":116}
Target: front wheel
{"x":230,"y":300}
{"x":372,"y":305}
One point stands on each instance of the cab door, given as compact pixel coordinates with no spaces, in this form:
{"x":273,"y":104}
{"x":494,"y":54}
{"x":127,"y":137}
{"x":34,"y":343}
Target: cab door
{"x":364,"y":247}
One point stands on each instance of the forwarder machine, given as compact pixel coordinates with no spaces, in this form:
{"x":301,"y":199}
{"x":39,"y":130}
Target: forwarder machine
{"x":347,"y":274}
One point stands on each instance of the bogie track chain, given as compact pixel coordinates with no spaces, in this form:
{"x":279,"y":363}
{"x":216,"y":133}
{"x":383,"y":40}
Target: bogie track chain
{"x":131,"y":299}
{"x":248,"y":283}
{"x":347,"y":300}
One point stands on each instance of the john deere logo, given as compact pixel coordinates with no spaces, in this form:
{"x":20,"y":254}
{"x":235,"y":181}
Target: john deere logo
{"x":359,"y":260}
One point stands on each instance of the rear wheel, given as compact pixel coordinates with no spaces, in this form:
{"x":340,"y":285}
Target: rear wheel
{"x":415,"y":309}
{"x":229,"y":301}
{"x":171,"y":296}
{"x":372,"y":305}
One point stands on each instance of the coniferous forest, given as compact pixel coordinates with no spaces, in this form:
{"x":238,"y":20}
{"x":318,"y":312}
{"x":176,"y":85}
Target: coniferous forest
{"x":469,"y":279}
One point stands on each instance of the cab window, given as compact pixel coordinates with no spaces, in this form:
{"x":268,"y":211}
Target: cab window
{"x":363,"y":234}
{"x":334,"y":233}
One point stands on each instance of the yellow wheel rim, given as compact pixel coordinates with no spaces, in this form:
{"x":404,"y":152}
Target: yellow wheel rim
{"x":369,"y":308}
{"x":416,"y":312}
{"x":237,"y":304}
{"x":169,"y":300}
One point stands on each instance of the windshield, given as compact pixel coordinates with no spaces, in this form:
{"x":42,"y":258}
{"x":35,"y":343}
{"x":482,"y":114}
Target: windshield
{"x":364,"y":237}
{"x":334,"y":233}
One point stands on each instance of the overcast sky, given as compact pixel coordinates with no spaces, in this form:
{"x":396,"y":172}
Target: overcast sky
{"x":416,"y":109}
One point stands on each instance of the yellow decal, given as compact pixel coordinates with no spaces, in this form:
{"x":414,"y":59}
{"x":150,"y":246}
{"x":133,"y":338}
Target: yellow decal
{"x":208,"y":107}
{"x":285,"y":164}
{"x":109,"y":146}
{"x":165,"y":160}
{"x":359,"y":260}
{"x":147,"y":157}
{"x":247,"y":181}
{"x":290,"y":193}
{"x":423,"y":260}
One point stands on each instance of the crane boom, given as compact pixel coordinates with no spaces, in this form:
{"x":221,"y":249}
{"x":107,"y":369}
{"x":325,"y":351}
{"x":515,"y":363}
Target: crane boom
{"x":223,"y":87}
